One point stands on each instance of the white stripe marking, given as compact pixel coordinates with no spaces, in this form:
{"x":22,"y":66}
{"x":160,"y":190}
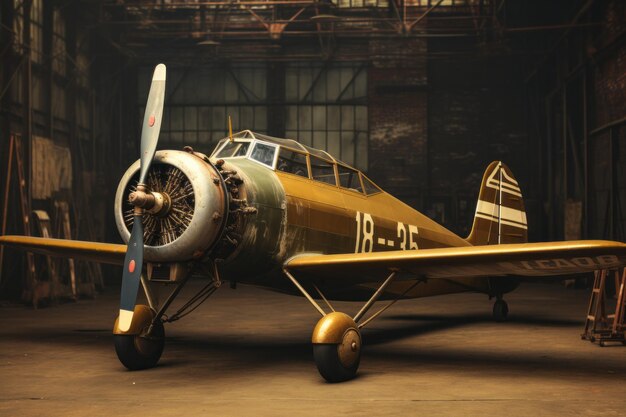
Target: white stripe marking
{"x":381,"y":241}
{"x":509,"y":186}
{"x":126,"y":318}
{"x":495,"y":219}
{"x":506,"y":213}
{"x":390,"y":243}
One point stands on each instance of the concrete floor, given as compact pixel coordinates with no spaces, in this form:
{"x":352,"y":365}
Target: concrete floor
{"x":246,"y":352}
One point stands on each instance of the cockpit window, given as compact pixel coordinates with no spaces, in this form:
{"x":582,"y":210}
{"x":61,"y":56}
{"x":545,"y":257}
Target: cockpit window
{"x":292,"y":162}
{"x":233,"y":149}
{"x":370,"y":187}
{"x":322,"y":170}
{"x":349,"y":178}
{"x":264,"y":153}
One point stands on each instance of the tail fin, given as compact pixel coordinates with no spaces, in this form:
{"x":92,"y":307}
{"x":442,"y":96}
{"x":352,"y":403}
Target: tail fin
{"x":500,"y":215}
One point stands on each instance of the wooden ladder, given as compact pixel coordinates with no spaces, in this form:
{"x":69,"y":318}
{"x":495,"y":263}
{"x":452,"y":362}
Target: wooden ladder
{"x":15,"y":150}
{"x":600,"y":326}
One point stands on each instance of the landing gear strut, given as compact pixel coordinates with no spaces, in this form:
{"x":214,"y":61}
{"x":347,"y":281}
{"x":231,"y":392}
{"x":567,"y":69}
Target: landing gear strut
{"x":500,"y":310}
{"x":141,"y":346}
{"x":337,"y":336}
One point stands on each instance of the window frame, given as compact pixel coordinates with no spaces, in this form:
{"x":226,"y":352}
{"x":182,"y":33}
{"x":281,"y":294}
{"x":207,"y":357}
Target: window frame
{"x":333,"y":165}
{"x":363,"y":178}
{"x":227,"y":141}
{"x":271,"y":145}
{"x":306,"y":160}
{"x":358,"y":175}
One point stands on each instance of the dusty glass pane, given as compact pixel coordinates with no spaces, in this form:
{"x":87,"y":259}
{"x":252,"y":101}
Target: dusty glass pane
{"x":347,"y":147}
{"x":204,"y":118}
{"x":322,"y":171}
{"x":304,"y":118}
{"x":233,"y":149}
{"x":264,"y":154}
{"x":349,"y":178}
{"x":333,"y":144}
{"x":370,"y":188}
{"x":292,"y":162}
{"x":319,"y":140}
{"x":260,"y":119}
{"x":319,"y":118}
{"x":347,"y":117}
{"x":191,"y":118}
{"x":361,"y":151}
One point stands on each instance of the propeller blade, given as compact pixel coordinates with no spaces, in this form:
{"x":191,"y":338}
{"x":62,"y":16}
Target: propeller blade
{"x":152,"y":120}
{"x":133,"y":263}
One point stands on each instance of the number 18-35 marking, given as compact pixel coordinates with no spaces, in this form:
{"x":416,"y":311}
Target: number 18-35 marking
{"x":407,"y":235}
{"x":364,"y":227}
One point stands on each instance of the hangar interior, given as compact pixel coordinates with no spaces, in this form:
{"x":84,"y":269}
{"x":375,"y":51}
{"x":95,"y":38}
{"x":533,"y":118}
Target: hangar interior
{"x":419,"y":94}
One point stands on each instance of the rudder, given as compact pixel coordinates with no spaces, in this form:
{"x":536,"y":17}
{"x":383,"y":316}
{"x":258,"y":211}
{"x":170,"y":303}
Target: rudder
{"x":500,"y":214}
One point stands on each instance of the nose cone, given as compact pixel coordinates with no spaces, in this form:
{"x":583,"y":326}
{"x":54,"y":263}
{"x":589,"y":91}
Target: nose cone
{"x":197,"y":210}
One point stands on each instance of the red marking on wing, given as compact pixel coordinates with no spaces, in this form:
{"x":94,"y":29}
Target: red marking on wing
{"x":131,"y":266}
{"x":151,"y":121}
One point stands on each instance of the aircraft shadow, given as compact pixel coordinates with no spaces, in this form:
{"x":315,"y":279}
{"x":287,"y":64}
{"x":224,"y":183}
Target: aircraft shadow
{"x":240,"y":353}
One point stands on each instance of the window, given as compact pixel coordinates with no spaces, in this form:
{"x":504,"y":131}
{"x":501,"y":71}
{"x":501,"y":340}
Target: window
{"x":322,"y":170}
{"x":292,"y":162}
{"x":58,"y":42}
{"x":196,"y":112}
{"x":264,"y":154}
{"x":370,"y":187}
{"x":36,"y":31}
{"x":326,"y":108}
{"x":349,"y":178}
{"x":233,"y":149}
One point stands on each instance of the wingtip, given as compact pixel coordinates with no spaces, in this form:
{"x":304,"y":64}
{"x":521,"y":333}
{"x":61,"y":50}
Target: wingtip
{"x":159,"y":73}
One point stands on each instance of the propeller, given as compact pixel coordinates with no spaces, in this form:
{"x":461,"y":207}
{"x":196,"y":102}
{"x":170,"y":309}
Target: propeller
{"x":133,"y":262}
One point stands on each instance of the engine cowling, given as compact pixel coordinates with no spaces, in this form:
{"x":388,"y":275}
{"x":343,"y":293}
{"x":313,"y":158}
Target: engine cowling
{"x":196,"y":206}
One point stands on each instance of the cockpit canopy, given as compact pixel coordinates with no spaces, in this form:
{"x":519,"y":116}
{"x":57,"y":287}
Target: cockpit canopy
{"x":290,"y":156}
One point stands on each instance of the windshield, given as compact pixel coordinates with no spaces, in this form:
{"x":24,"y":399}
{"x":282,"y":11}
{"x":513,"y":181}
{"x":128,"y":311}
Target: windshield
{"x":264,"y":153}
{"x":232,"y":149}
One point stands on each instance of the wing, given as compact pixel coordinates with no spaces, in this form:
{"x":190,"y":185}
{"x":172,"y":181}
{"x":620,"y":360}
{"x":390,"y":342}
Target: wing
{"x":521,"y":259}
{"x":109,"y":253}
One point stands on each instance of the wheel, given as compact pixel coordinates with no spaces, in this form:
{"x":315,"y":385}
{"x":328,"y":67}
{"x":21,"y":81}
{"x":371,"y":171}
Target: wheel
{"x":500,"y":310}
{"x":340,"y":362}
{"x":141,"y":351}
{"x":337,"y":347}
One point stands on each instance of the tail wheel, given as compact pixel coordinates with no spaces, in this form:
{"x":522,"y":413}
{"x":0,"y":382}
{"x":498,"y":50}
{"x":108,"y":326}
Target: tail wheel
{"x":141,"y":351}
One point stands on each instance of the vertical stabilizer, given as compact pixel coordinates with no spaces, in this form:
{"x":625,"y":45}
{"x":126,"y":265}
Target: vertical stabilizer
{"x":500,"y":214}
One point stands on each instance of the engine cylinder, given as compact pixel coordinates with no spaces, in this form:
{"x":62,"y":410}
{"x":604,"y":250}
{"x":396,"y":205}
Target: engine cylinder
{"x":193,"y":222}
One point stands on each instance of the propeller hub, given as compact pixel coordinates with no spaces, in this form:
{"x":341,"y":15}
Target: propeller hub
{"x":155,"y":203}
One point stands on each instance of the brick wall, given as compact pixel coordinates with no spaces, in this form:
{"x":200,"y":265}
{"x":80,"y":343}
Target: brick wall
{"x":398,"y":117}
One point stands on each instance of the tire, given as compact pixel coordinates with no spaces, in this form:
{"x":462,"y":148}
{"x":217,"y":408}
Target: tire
{"x":329,"y":365}
{"x":500,"y":310}
{"x":140,"y":351}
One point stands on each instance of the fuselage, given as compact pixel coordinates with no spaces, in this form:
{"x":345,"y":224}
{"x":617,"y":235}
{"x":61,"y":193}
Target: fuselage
{"x":298,"y":215}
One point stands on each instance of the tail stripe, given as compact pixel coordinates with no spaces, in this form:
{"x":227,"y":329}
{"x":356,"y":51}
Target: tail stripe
{"x":489,"y":211}
{"x":500,"y":215}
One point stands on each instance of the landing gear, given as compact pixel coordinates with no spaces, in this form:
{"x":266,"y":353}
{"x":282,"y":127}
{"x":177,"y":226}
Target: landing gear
{"x":337,"y":336}
{"x":337,"y":347}
{"x":142,"y":348}
{"x":500,"y":310}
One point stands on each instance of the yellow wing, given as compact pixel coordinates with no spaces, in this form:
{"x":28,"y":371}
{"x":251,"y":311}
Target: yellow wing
{"x":109,"y":253}
{"x":520,"y":259}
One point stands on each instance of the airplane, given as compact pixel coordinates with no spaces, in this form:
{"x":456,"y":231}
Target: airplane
{"x":277,"y":214}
